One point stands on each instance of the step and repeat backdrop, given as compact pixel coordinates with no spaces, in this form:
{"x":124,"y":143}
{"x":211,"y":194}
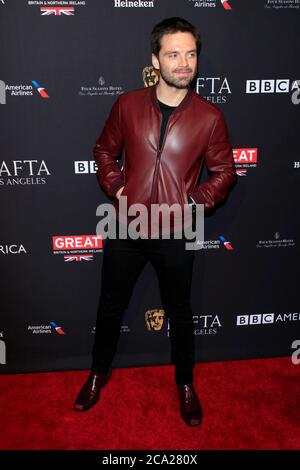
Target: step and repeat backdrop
{"x":62,"y":66}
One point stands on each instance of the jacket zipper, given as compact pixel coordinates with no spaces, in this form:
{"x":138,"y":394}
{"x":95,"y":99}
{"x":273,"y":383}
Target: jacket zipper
{"x":157,"y":163}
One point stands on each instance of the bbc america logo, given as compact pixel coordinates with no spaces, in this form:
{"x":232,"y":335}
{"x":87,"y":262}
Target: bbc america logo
{"x":271,"y":86}
{"x":85,"y":167}
{"x":267,"y":318}
{"x":255,"y":319}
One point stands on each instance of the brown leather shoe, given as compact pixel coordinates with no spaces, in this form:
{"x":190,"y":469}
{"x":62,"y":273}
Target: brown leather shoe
{"x":90,"y":392}
{"x":190,"y":407}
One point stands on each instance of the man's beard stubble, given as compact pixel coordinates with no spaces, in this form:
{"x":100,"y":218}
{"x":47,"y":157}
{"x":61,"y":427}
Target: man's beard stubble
{"x":180,"y":82}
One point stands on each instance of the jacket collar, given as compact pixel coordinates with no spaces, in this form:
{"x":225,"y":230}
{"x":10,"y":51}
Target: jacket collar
{"x":179,"y":108}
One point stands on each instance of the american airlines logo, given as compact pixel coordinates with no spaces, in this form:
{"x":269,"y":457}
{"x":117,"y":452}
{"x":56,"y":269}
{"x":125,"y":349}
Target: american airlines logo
{"x":46,"y":329}
{"x":21,"y":90}
{"x":226,"y":4}
{"x":57,"y":328}
{"x":212,"y":4}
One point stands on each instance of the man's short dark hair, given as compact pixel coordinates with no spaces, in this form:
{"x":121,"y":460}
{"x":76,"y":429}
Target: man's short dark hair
{"x":171,"y":26}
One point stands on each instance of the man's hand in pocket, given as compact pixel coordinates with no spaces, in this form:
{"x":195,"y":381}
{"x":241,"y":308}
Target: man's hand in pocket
{"x":118,"y":194}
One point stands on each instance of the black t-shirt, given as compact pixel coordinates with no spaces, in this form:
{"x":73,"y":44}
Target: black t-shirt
{"x":166,"y":110}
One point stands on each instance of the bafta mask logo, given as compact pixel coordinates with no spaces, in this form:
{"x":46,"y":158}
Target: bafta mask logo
{"x":154,"y":319}
{"x":150,"y":76}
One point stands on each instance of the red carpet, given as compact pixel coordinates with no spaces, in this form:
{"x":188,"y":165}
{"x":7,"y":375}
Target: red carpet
{"x":251,"y":404}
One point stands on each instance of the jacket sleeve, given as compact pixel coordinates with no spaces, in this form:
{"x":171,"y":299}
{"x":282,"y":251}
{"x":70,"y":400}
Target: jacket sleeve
{"x":220,"y":163}
{"x":107,"y":150}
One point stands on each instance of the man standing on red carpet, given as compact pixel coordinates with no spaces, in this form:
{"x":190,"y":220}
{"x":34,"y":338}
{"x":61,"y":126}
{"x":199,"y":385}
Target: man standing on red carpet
{"x":168,"y":132}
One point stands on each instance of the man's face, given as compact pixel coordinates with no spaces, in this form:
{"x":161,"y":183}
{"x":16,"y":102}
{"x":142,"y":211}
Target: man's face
{"x":177,"y":59}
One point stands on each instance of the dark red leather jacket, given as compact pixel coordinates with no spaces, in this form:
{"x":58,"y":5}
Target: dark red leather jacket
{"x":196,"y":133}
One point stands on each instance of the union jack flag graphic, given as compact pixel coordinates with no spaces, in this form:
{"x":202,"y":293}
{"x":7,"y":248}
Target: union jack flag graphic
{"x":240,"y":172}
{"x":226,"y":5}
{"x":69,"y":258}
{"x":46,"y":11}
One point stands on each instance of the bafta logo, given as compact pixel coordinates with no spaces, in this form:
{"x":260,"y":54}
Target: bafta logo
{"x":154,"y":319}
{"x":150,"y":76}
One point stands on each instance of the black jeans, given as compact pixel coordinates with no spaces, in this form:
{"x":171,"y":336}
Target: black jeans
{"x":123,"y":261}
